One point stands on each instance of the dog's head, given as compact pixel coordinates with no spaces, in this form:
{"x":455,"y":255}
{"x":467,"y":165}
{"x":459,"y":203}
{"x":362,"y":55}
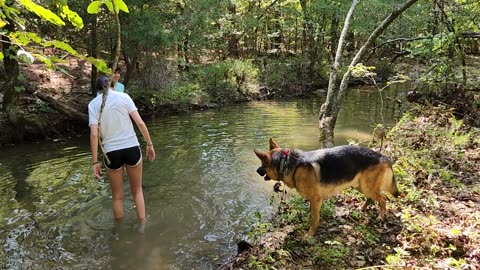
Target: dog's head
{"x":268,"y":169}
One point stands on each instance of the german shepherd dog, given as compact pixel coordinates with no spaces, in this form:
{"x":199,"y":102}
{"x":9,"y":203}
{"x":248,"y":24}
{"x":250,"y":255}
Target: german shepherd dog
{"x":320,"y":173}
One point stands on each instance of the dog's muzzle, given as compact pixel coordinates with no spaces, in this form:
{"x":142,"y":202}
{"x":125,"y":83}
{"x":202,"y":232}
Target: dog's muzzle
{"x":261,"y":171}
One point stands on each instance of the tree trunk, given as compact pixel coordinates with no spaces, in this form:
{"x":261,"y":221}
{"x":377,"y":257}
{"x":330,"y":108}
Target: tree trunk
{"x":10,"y":64}
{"x":132,"y":66}
{"x":93,"y":53}
{"x":10,"y":95}
{"x":319,"y":44}
{"x":458,"y":41}
{"x":309,"y":40}
{"x":331,"y":107}
{"x":328,"y":116}
{"x":277,"y":40}
{"x":333,"y":34}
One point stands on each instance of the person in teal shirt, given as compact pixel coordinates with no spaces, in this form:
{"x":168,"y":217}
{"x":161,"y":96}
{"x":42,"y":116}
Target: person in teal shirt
{"x":119,"y":87}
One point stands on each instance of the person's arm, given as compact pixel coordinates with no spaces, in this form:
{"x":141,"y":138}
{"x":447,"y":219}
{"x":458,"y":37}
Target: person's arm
{"x":144,"y":130}
{"x":97,"y":170}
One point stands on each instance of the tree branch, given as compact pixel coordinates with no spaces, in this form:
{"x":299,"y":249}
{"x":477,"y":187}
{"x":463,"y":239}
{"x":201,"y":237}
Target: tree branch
{"x":335,"y":65}
{"x":379,"y":30}
{"x":399,"y":40}
{"x":471,"y":34}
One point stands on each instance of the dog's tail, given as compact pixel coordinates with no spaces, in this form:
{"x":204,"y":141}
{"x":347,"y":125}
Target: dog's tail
{"x":390,"y":184}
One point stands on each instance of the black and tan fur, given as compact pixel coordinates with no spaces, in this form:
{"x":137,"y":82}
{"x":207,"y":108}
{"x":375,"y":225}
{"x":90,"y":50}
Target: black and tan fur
{"x":320,"y":173}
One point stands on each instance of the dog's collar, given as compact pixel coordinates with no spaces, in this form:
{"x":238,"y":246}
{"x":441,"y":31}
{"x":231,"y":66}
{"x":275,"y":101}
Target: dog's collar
{"x":285,"y":156}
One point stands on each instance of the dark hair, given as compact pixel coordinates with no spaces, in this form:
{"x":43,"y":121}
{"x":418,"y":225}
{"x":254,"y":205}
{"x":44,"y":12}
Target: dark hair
{"x":102,"y":83}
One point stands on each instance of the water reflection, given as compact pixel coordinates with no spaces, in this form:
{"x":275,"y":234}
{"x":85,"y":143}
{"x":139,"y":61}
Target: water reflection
{"x":201,"y":192}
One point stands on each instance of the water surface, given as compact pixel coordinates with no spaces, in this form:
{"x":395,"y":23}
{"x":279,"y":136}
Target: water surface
{"x":201,"y":193}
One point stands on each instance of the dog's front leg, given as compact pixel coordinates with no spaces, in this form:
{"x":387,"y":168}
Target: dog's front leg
{"x":315,"y":206}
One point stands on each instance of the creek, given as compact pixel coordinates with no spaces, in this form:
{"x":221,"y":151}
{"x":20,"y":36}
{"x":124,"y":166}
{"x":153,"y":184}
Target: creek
{"x":202,"y":193}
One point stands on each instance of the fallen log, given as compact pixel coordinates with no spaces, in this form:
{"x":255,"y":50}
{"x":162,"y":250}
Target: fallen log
{"x":57,"y":104}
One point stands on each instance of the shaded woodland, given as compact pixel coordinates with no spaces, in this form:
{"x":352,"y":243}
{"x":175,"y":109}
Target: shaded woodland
{"x":178,"y":55}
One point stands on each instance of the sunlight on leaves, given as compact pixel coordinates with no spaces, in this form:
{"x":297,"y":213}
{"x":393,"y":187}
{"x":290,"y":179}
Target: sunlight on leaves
{"x":45,"y":60}
{"x":94,"y":7}
{"x":19,"y":38}
{"x":100,"y":65}
{"x":399,"y":78}
{"x":33,"y":37}
{"x":42,"y":12}
{"x":121,"y":6}
{"x":24,"y":38}
{"x":60,"y":45}
{"x":361,"y":71}
{"x":72,"y":16}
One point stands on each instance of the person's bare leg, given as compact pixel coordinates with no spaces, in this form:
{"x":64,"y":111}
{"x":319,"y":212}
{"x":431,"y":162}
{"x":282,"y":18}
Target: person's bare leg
{"x":116,"y":184}
{"x":135,"y":177}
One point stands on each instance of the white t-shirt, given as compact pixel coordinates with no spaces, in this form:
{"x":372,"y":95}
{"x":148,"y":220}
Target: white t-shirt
{"x":119,"y":87}
{"x":116,"y":126}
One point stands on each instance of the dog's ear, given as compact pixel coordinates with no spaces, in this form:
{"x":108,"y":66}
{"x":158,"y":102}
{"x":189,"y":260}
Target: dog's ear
{"x":273,"y":144}
{"x":260,"y":155}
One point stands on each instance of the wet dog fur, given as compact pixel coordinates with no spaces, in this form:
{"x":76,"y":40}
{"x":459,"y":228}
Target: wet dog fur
{"x":320,"y":173}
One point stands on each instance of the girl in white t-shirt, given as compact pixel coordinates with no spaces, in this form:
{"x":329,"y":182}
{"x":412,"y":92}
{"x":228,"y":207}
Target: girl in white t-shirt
{"x":121,"y":146}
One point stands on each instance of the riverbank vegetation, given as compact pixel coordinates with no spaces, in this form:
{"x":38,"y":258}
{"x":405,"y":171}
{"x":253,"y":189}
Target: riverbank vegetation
{"x":434,"y":224}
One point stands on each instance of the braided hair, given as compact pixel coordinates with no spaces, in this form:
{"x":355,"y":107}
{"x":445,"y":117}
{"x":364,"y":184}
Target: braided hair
{"x":102,"y":86}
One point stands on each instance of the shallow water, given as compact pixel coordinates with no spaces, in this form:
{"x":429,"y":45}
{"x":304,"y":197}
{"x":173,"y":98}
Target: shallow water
{"x":201,"y":193}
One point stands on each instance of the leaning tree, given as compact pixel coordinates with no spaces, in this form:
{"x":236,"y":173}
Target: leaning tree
{"x":335,"y":94}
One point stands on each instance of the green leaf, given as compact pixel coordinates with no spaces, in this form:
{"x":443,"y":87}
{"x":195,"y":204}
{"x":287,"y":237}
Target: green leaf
{"x":94,"y":7}
{"x":55,"y":59}
{"x":19,"y":38}
{"x":120,"y":5}
{"x":100,"y":65}
{"x":60,"y":45}
{"x":1,"y":56}
{"x":109,"y":5}
{"x":42,"y":12}
{"x":34,"y":37}
{"x":73,"y":17}
{"x":24,"y":38}
{"x":64,"y":71}
{"x":45,"y":60}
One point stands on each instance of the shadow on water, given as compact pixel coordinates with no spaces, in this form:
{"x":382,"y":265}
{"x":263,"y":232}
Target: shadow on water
{"x":201,"y":193}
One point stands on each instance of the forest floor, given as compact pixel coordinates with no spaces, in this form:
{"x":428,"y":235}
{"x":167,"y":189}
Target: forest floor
{"x":434,"y":224}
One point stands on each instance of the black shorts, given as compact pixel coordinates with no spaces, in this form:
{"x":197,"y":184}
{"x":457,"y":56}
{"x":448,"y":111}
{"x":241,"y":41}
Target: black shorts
{"x":129,"y":156}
